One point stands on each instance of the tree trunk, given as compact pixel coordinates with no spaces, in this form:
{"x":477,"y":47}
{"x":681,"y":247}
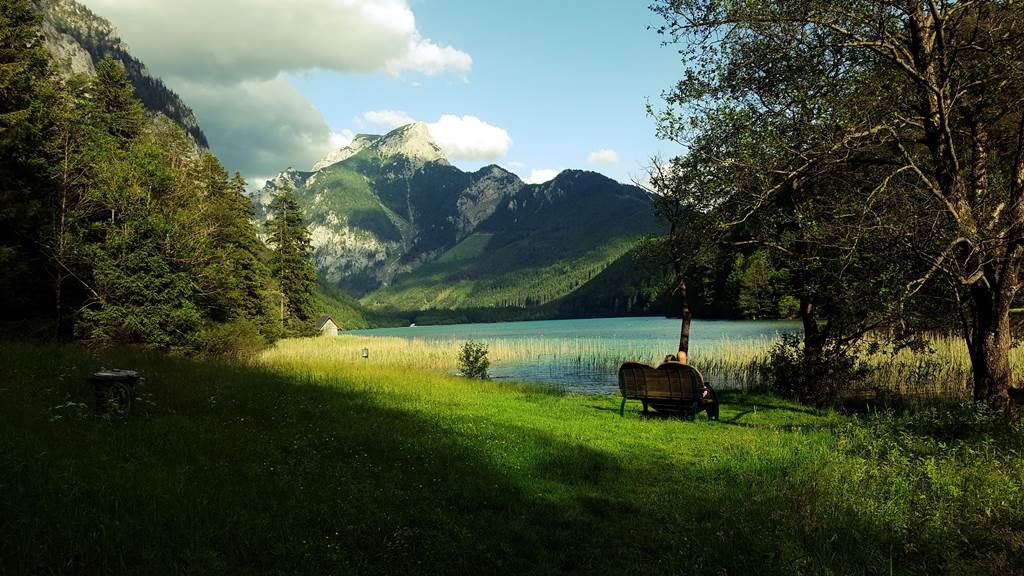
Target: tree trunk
{"x":684,"y":331}
{"x":989,"y":345}
{"x":814,"y":349}
{"x":58,"y":319}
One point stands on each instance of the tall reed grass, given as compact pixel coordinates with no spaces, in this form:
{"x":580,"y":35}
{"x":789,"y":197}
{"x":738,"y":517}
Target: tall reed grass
{"x":942,"y":372}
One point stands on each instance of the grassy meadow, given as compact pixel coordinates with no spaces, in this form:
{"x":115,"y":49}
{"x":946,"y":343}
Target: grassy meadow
{"x":320,"y":464}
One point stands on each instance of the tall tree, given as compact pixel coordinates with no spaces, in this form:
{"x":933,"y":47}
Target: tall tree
{"x":692,"y":238}
{"x":292,"y":260}
{"x":927,"y":94}
{"x":25,"y":97}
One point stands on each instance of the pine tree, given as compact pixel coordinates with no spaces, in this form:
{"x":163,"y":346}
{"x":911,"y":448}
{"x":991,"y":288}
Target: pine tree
{"x":239,"y":279}
{"x":123,"y":114}
{"x":25,"y":96}
{"x":292,"y":261}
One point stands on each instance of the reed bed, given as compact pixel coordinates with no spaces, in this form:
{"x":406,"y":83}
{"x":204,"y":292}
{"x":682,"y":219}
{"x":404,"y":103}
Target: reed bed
{"x":589,"y":364}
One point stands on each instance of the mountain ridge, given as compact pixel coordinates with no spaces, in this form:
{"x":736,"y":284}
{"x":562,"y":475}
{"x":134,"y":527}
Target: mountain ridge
{"x":397,"y":225}
{"x":77,"y":38}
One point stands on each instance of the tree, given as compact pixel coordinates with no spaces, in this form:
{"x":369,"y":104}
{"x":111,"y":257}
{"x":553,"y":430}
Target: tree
{"x":919,"y":101}
{"x":122,"y":113}
{"x":79,"y":148}
{"x":25,"y":99}
{"x":292,"y":260}
{"x":691,"y":241}
{"x":762,"y":289}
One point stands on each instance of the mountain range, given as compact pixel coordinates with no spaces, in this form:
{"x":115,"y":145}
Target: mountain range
{"x":395,"y":224}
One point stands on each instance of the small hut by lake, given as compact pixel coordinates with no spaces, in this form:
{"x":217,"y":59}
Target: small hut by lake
{"x":326,"y":325}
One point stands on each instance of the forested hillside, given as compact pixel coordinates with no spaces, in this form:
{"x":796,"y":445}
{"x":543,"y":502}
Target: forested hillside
{"x":117,"y":227}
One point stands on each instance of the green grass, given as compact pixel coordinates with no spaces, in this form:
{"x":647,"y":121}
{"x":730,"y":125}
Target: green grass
{"x":329,"y":466}
{"x":506,"y":275}
{"x":348,"y":312}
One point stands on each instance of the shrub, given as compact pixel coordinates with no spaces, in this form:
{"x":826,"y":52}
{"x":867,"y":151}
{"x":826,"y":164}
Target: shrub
{"x":789,"y":372}
{"x":473,"y":361}
{"x":239,"y":339}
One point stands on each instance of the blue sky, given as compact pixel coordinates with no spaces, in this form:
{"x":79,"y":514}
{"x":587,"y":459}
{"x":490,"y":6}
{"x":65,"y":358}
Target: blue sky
{"x":564,"y":78}
{"x":533,"y":85}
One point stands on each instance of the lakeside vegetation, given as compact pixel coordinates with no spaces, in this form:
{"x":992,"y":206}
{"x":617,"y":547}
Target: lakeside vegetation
{"x":307,"y":466}
{"x":816,"y":183}
{"x":939,"y":375}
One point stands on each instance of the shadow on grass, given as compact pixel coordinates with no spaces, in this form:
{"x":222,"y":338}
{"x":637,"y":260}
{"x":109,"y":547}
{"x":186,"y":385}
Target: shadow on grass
{"x":239,"y":470}
{"x":764,"y":403}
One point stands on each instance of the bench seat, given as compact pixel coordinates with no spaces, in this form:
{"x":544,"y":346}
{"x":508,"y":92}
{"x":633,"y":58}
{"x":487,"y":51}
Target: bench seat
{"x":671,"y":387}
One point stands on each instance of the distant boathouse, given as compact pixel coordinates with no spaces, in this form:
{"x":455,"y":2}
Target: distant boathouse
{"x":327,"y":326}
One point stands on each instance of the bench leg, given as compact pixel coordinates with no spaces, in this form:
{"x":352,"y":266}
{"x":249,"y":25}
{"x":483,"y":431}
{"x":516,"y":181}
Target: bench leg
{"x":645,"y":406}
{"x":622,"y":407}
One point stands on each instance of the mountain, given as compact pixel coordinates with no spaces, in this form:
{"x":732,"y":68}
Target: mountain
{"x":395,"y":224}
{"x":78,"y":39}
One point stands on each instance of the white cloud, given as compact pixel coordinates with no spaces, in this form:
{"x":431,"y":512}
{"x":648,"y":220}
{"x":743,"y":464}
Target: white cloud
{"x":229,"y":60}
{"x":603,"y":157}
{"x":235,"y":39}
{"x":516,"y":165}
{"x":260,"y":126}
{"x":469,"y":138}
{"x":460,"y":137}
{"x":341,"y":139}
{"x":541,"y":176}
{"x":429,"y":58}
{"x":389,"y":119}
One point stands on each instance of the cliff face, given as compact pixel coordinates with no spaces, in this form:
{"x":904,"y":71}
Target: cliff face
{"x":78,"y":39}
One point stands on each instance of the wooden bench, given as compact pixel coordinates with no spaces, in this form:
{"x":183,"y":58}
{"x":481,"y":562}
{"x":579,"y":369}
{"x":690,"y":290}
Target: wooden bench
{"x":671,"y":387}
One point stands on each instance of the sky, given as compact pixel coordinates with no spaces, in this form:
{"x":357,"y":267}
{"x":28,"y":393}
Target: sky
{"x":536,"y":86}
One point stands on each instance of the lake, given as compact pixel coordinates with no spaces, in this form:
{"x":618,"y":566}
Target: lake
{"x":582,"y":356}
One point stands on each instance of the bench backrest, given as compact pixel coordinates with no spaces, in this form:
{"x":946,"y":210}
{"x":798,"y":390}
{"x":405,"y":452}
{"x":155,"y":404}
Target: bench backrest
{"x":670,"y":381}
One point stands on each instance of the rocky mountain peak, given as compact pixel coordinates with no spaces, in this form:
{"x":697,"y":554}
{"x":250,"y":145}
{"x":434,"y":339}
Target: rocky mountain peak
{"x":358,"y":144}
{"x":412,"y":141}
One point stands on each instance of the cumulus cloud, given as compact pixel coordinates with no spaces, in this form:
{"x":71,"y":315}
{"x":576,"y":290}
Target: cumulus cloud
{"x":541,"y":176}
{"x":429,"y":58}
{"x":603,"y":156}
{"x":469,"y":138}
{"x":460,"y":137}
{"x":230,"y":40}
{"x":266,"y":126}
{"x":388,"y":119}
{"x":341,"y":139}
{"x":229,"y":60}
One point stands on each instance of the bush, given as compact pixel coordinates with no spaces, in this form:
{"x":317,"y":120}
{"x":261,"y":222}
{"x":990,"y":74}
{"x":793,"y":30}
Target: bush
{"x":473,"y":361}
{"x":791,"y":374}
{"x":239,"y":339}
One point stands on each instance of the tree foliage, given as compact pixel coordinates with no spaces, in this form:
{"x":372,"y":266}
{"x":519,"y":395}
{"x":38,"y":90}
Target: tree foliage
{"x":292,"y":260}
{"x":878,"y":144}
{"x":117,"y":227}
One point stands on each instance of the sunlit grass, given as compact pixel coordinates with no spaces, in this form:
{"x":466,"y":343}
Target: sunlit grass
{"x":333,"y":465}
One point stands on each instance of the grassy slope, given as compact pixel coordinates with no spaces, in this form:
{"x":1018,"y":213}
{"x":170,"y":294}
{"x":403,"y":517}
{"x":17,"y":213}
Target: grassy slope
{"x":344,"y":190}
{"x":347,"y":311}
{"x":334,"y":468}
{"x":497,"y":277}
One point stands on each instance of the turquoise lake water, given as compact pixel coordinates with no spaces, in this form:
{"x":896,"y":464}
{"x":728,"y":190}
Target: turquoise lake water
{"x":603,"y":342}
